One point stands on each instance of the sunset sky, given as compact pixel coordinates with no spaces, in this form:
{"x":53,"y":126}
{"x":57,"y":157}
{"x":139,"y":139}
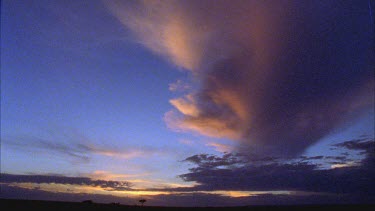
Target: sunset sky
{"x":188,"y":102}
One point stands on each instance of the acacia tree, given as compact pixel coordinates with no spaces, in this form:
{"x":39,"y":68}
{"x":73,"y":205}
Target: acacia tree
{"x":142,"y":201}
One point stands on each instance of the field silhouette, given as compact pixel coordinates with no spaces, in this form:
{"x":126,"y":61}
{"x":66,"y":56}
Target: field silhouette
{"x":16,"y":204}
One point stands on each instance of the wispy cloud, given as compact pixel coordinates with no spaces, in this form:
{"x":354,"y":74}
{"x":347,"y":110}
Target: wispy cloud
{"x":186,"y":142}
{"x":82,"y":150}
{"x":179,"y":86}
{"x":106,"y":175}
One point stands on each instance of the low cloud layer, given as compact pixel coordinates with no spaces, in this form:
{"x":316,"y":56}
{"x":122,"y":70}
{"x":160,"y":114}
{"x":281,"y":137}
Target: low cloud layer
{"x":178,"y":200}
{"x":276,"y":76}
{"x":39,"y":179}
{"x":353,"y":177}
{"x":275,"y":180}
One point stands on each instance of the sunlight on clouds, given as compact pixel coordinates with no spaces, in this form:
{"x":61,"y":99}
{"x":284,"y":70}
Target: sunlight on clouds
{"x":106,"y":175}
{"x":235,"y":194}
{"x":207,"y":126}
{"x":186,"y":38}
{"x":136,"y":180}
{"x":177,"y":38}
{"x":211,"y":127}
{"x":66,"y":188}
{"x":165,"y":190}
{"x":232,"y":99}
{"x":220,"y":147}
{"x":63,"y":188}
{"x":130,"y":152}
{"x":243,"y":55}
{"x":142,"y":184}
{"x":164,"y":28}
{"x":122,"y":155}
{"x":186,"y":105}
{"x":343,"y":165}
{"x":55,"y":188}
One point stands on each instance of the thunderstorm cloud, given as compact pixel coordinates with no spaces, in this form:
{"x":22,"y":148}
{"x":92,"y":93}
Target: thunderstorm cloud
{"x":275,"y":76}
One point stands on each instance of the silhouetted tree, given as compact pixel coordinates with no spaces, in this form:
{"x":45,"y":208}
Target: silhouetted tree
{"x":87,"y":202}
{"x":142,"y":201}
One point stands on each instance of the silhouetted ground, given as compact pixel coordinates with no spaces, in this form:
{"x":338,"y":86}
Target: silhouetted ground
{"x":15,"y":204}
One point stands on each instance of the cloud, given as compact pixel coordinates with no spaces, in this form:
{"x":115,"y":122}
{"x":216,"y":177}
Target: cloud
{"x":39,"y":179}
{"x":186,"y":105}
{"x":78,"y":151}
{"x":12,"y":192}
{"x":220,"y":147}
{"x":228,"y":180}
{"x":179,"y":85}
{"x":206,"y":126}
{"x":364,"y":144}
{"x":210,"y":161}
{"x":178,"y":200}
{"x":244,"y":173}
{"x":106,"y":175}
{"x":276,"y":76}
{"x":342,"y":165}
{"x":78,"y":148}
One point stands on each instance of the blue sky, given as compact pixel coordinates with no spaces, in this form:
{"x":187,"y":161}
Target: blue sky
{"x":129,"y":91}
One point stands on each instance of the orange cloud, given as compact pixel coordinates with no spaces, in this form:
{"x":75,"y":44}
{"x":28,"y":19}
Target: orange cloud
{"x":186,"y":105}
{"x":211,"y":127}
{"x":344,"y":165}
{"x":220,"y":147}
{"x":260,"y":66}
{"x":165,"y":28}
{"x":62,"y":188}
{"x":106,"y":175}
{"x":187,"y":35}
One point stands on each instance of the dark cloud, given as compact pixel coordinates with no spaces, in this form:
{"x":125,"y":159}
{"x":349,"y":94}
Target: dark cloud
{"x":342,"y":158}
{"x":312,"y":158}
{"x":38,"y":179}
{"x":293,"y":175}
{"x":309,"y":90}
{"x":211,"y":161}
{"x":11,"y":192}
{"x":365,"y":144}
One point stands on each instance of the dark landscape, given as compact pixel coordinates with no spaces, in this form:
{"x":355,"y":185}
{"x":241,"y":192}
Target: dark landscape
{"x":16,"y":204}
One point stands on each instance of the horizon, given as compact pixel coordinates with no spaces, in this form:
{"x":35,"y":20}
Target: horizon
{"x":188,"y":103}
{"x":116,"y":204}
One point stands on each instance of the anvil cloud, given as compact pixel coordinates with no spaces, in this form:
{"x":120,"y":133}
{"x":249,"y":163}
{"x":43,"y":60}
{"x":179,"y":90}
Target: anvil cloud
{"x":276,"y":76}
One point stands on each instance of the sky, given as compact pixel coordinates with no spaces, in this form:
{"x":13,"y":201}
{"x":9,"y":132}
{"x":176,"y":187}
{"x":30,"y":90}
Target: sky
{"x":188,"y":103}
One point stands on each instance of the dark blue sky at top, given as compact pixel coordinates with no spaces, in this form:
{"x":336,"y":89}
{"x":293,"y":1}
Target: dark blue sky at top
{"x":56,"y":75}
{"x":188,"y":97}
